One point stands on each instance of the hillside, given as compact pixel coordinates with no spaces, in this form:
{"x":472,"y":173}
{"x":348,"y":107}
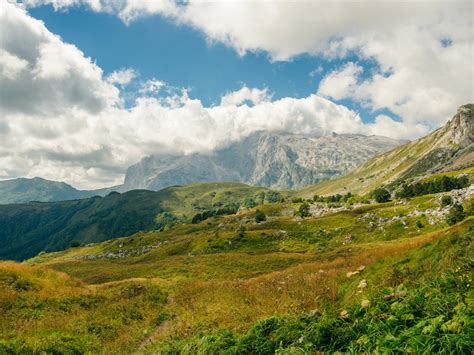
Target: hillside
{"x":375,"y":276}
{"x":450,"y":147}
{"x":27,"y":229}
{"x":23,"y":190}
{"x":275,"y":160}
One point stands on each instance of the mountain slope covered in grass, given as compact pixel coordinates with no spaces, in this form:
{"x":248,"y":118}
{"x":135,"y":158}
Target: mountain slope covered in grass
{"x":451,"y":147}
{"x":378,"y":277}
{"x":23,"y":190}
{"x":27,"y":229}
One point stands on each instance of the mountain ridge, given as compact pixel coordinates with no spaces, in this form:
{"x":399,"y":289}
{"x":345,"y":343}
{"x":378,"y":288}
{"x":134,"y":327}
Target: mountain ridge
{"x":450,"y":147}
{"x":275,"y":160}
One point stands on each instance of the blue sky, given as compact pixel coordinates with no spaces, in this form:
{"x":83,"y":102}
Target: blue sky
{"x":182,"y":57}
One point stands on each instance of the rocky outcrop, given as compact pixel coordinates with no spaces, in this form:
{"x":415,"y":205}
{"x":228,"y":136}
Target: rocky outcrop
{"x":279,"y":161}
{"x":461,"y":126}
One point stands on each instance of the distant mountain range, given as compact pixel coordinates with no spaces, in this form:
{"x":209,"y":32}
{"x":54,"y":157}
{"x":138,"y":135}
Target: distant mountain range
{"x":278,"y":161}
{"x":41,"y":190}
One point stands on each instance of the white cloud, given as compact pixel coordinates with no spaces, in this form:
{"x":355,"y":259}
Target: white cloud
{"x":152,"y":86}
{"x":41,"y":73}
{"x":243,"y":95}
{"x":340,"y":83}
{"x":11,"y":65}
{"x":420,"y":78}
{"x":388,"y":127}
{"x":121,"y":77}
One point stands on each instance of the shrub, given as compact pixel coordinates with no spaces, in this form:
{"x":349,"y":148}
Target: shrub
{"x":419,"y":224}
{"x":260,"y":216}
{"x":273,"y":197}
{"x":446,"y":200}
{"x":456,"y":214}
{"x":249,"y":202}
{"x":381,"y":195}
{"x":303,"y":211}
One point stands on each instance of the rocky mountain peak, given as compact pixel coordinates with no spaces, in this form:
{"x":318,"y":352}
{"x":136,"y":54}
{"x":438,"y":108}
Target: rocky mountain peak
{"x":276,"y":160}
{"x":461,"y":126}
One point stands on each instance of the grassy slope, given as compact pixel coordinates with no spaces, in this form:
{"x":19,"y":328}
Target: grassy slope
{"x":402,"y":162}
{"x":52,"y":226}
{"x":218,"y":280}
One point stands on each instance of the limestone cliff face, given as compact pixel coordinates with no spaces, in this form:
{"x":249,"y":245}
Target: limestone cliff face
{"x":279,"y":161}
{"x":461,"y":126}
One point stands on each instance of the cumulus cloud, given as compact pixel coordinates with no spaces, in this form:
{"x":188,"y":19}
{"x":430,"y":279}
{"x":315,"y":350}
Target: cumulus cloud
{"x":239,"y":97}
{"x":121,"y":77}
{"x":340,"y":83}
{"x":423,"y":49}
{"x":152,"y":86}
{"x":39,"y":69}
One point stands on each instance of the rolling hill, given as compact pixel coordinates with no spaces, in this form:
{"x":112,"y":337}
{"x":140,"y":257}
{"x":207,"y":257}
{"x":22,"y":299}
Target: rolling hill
{"x":23,"y":190}
{"x":27,"y":229}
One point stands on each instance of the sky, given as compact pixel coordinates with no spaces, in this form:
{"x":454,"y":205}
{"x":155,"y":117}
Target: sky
{"x":89,"y":87}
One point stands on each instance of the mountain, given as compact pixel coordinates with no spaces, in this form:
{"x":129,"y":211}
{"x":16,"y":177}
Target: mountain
{"x":448,"y":148}
{"x":307,"y":276}
{"x":24,"y":190}
{"x":26,"y":229}
{"x":278,"y":161}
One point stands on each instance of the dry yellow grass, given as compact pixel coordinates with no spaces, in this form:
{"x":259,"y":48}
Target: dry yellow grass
{"x":235,"y":304}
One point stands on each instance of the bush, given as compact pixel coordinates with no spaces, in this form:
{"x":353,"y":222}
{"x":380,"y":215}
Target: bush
{"x":456,"y":214}
{"x":249,"y":202}
{"x":419,"y":224}
{"x":260,"y":216}
{"x":446,"y":200}
{"x":303,"y":211}
{"x":381,"y":195}
{"x":273,"y":197}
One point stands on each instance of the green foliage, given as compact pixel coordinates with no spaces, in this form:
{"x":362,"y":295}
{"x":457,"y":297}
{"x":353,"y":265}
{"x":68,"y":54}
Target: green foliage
{"x":260,"y":198}
{"x":419,"y":224}
{"x":303,"y":210}
{"x":165,"y":220}
{"x":249,"y":202}
{"x":27,"y":229}
{"x":334,"y":198}
{"x":273,"y":197}
{"x":260,"y":216}
{"x":222,"y":211}
{"x":446,"y":200}
{"x":381,"y":195}
{"x":456,"y":214}
{"x":440,"y":184}
{"x":421,"y":313}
